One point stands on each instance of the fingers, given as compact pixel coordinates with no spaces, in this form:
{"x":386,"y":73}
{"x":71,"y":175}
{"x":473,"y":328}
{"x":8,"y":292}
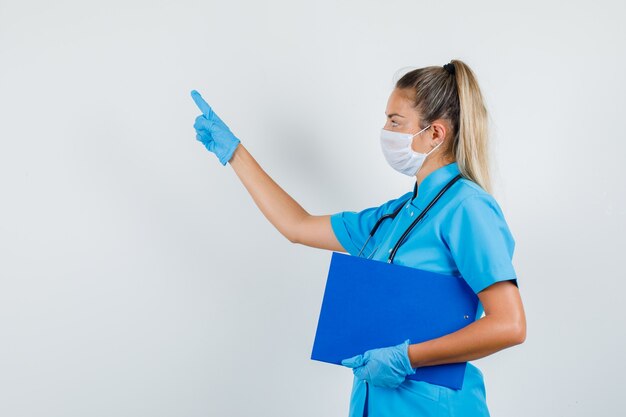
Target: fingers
{"x":353,"y":362}
{"x":200,"y":122}
{"x":361,"y":373}
{"x":202,"y":105}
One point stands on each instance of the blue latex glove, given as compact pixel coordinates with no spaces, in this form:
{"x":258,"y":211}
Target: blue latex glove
{"x":213,"y":132}
{"x":383,"y":367}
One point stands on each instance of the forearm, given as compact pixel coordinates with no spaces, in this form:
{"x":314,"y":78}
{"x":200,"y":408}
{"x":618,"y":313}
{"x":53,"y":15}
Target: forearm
{"x":276,"y":205}
{"x":481,"y":338}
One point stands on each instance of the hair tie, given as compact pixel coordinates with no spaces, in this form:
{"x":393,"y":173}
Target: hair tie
{"x":450,"y":68}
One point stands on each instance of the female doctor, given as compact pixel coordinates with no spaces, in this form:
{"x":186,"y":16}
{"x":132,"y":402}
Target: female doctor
{"x":436,"y":129}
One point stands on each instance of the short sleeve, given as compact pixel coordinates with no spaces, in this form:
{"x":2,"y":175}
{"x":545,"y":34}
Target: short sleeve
{"x":480,"y":242}
{"x":353,"y":228}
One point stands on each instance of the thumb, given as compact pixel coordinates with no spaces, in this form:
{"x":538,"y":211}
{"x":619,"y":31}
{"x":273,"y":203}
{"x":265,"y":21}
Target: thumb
{"x":353,"y":362}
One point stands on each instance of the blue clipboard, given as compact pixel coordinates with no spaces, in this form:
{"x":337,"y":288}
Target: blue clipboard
{"x":370,"y":304}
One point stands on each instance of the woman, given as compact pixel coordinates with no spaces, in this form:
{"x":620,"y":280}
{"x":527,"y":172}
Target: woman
{"x":436,"y":129}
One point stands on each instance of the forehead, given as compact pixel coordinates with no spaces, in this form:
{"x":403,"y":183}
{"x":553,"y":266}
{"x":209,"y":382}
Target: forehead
{"x":400,"y":102}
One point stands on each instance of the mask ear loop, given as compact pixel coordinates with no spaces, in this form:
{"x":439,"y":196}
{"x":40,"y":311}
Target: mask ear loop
{"x":422,"y":130}
{"x":435,"y":148}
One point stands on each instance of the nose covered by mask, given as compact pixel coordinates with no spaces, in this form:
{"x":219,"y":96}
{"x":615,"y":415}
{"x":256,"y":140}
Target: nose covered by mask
{"x":397,"y":149}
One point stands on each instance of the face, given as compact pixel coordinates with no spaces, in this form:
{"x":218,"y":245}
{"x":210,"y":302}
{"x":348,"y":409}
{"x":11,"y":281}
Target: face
{"x":402,"y":117}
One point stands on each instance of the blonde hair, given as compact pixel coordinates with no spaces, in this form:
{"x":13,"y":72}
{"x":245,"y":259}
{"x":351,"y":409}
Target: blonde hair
{"x":438,"y":94}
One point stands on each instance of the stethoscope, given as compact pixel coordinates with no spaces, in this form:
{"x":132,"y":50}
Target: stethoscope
{"x":408,"y":230}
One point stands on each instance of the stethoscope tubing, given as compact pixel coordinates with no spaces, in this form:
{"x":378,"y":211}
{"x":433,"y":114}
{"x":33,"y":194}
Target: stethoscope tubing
{"x":415,"y":222}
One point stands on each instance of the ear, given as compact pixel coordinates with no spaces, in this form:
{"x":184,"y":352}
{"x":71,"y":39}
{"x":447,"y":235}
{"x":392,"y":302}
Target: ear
{"x":439,"y":131}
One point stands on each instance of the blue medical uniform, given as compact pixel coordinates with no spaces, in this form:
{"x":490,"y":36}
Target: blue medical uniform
{"x":464,"y":234}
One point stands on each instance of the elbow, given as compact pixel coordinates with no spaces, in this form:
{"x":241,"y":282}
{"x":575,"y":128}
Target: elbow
{"x":512,"y":332}
{"x":522,"y":336}
{"x":292,"y":237}
{"x":518,"y":334}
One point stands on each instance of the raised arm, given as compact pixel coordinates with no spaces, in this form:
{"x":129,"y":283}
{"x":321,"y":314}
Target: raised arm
{"x":291,"y":220}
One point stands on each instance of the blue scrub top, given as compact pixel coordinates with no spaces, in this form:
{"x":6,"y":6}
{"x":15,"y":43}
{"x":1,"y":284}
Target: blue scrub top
{"x":464,"y":234}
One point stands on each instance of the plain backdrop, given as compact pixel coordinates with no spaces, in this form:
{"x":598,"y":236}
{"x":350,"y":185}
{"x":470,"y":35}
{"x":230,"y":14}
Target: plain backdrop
{"x":138,"y":277}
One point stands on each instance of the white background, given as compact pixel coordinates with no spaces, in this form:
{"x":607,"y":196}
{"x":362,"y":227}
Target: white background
{"x":138,"y":277}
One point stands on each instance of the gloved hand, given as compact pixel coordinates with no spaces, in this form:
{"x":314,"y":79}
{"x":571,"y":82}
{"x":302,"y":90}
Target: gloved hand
{"x":213,"y":132}
{"x":384,"y":367}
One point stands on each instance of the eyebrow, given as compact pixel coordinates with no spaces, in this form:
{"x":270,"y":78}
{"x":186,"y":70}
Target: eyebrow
{"x":394,"y":114}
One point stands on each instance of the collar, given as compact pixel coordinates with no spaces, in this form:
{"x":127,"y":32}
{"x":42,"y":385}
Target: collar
{"x":432,"y":184}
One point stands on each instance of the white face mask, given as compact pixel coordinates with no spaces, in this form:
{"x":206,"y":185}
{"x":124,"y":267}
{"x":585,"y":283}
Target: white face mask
{"x":397,"y":149}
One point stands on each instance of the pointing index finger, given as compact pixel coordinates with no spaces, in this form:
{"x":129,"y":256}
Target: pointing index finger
{"x":202,"y":105}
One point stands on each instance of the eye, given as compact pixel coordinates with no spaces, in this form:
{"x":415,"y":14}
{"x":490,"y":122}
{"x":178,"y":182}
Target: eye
{"x":394,"y":123}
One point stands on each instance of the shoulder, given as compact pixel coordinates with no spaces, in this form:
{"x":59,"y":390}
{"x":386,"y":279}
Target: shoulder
{"x":475,"y":216}
{"x":473,"y":211}
{"x":471,"y":196}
